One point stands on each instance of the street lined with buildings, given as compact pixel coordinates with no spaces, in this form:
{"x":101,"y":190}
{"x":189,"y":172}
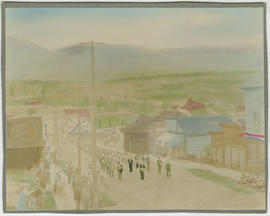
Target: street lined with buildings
{"x":74,"y":163}
{"x":197,"y":148}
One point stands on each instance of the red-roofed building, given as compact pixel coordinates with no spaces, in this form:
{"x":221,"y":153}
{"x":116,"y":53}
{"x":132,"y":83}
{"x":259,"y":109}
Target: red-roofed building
{"x":83,"y":112}
{"x":193,"y":105}
{"x":175,"y":107}
{"x":33,"y":103}
{"x":241,"y":108}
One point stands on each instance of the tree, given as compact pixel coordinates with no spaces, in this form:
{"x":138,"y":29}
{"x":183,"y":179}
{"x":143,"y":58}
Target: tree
{"x":32,"y":111}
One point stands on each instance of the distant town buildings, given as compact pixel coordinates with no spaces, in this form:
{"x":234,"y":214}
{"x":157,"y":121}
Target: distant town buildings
{"x":33,"y":103}
{"x":193,"y":105}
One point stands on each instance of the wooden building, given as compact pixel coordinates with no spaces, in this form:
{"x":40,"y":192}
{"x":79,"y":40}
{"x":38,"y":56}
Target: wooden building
{"x":192,"y":138}
{"x":137,"y":137}
{"x":255,"y":126}
{"x":229,"y":148}
{"x":24,"y":142}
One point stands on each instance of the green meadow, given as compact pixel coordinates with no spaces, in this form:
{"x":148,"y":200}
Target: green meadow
{"x":223,"y":180}
{"x":120,"y":100}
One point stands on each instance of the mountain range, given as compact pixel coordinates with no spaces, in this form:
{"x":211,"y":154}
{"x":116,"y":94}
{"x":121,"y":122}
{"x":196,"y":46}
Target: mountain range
{"x":27,"y":60}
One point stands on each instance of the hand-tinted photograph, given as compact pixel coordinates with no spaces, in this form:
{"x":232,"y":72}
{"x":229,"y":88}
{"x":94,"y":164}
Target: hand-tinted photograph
{"x":134,"y":108}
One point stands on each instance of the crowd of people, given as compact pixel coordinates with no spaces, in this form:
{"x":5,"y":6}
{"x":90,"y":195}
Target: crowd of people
{"x":81,"y":187}
{"x":109,"y":163}
{"x":51,"y":177}
{"x":48,"y":177}
{"x":142,"y":163}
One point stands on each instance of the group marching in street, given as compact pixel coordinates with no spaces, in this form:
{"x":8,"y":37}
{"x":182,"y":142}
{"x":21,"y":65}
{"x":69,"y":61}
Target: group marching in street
{"x":52,"y":177}
{"x":109,"y":163}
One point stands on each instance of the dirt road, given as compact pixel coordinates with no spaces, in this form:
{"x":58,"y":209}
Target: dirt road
{"x":183,"y":191}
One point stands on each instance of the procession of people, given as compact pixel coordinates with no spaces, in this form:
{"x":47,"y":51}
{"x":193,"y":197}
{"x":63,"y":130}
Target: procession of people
{"x":51,"y":176}
{"x":140,"y":163}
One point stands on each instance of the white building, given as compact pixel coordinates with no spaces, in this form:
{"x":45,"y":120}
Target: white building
{"x":254,"y":99}
{"x":255,"y":127}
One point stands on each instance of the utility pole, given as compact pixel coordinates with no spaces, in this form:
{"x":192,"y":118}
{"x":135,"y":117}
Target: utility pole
{"x":79,"y":128}
{"x":93,"y":122}
{"x":57,"y":134}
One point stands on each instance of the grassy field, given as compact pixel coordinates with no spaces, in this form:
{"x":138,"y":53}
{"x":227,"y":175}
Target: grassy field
{"x":21,"y":176}
{"x":119,"y":100}
{"x":105,"y":201}
{"x":225,"y":181}
{"x":48,"y":202}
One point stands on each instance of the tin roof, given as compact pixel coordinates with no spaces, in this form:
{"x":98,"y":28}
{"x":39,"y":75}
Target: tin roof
{"x":196,"y":125}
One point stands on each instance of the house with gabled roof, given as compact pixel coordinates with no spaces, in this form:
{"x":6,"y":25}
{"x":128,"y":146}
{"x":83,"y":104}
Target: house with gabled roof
{"x":192,"y":133}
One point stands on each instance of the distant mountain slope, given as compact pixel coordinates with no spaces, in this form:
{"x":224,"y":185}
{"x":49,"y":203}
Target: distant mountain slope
{"x":26,"y":60}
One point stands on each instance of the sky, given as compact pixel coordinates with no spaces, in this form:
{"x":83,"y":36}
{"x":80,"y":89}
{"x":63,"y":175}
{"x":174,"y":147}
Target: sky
{"x":54,"y":28}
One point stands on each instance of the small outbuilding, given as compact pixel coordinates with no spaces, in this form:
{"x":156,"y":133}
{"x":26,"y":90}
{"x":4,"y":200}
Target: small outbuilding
{"x":24,"y":142}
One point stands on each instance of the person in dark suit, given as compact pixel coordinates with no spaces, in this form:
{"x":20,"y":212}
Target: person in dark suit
{"x":168,"y":169}
{"x":130,"y":164}
{"x":142,"y":168}
{"x":159,"y":164}
{"x":137,"y":161}
{"x":120,"y":170}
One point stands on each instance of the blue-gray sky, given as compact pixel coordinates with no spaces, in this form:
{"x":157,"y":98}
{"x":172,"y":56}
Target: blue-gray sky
{"x":151,"y":27}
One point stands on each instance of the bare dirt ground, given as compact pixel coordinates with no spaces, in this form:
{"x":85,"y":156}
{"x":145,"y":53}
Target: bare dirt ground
{"x":183,"y":191}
